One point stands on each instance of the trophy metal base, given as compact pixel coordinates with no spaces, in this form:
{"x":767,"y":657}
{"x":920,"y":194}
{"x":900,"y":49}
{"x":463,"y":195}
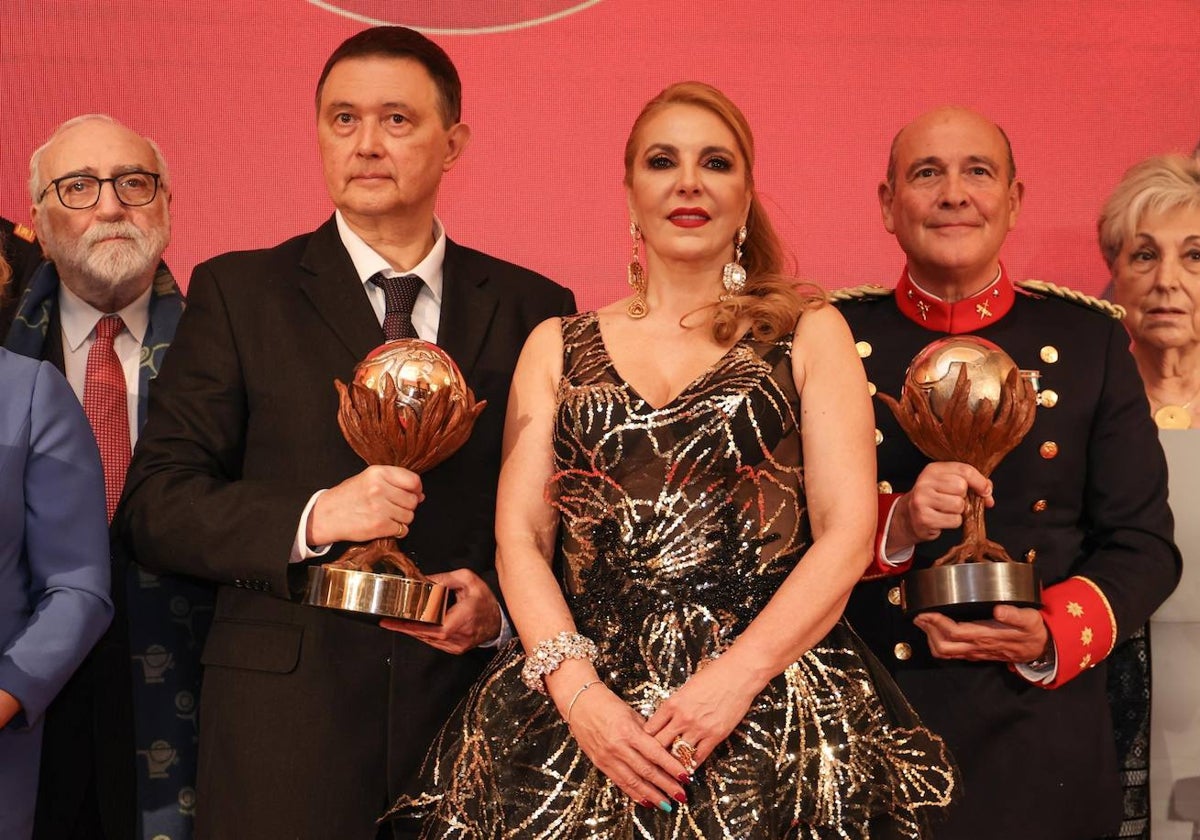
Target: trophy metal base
{"x":969,"y":591}
{"x":389,"y":596}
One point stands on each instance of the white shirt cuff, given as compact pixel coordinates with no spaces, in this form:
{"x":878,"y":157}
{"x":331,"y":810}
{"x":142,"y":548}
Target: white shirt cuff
{"x":900,"y":556}
{"x":300,"y":548}
{"x":1042,"y":674}
{"x":505,"y":636}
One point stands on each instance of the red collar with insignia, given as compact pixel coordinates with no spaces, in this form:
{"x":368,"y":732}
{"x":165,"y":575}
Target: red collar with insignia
{"x":964,"y":316}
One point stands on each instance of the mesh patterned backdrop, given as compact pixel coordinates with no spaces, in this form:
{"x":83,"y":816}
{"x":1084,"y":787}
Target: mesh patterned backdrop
{"x":1084,"y":88}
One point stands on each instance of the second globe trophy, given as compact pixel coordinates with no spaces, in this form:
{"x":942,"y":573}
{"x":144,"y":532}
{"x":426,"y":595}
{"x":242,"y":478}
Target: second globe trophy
{"x":408,"y":406}
{"x":965,"y":400}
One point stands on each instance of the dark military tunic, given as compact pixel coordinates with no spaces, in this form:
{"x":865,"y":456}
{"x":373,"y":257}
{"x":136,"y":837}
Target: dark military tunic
{"x":1083,"y":497}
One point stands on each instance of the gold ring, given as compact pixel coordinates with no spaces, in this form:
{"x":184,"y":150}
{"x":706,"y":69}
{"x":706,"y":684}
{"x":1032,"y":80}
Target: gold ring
{"x":683,"y":751}
{"x":402,"y":532}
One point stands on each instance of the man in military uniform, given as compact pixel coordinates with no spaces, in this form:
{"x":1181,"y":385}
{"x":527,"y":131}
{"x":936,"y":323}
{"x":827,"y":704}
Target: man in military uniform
{"x":1020,"y":697}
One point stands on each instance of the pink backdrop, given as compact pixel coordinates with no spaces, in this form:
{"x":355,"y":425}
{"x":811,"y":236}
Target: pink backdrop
{"x":1084,"y":89}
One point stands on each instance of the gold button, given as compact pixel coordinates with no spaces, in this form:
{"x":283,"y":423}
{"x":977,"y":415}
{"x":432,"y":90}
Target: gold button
{"x":863,"y":348}
{"x":1047,"y":398}
{"x":885,"y":487}
{"x":871,"y":388}
{"x":903,"y":651}
{"x":1031,"y":555}
{"x":1049,"y":449}
{"x":894,"y":596}
{"x":1049,"y":354}
{"x":1039,"y":506}
{"x":878,"y":437}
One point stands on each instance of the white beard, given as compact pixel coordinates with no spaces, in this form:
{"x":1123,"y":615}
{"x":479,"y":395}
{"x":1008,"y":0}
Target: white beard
{"x":112,"y":264}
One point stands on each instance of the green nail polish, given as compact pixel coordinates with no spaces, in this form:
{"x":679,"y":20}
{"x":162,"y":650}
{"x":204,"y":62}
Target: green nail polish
{"x":665,"y":806}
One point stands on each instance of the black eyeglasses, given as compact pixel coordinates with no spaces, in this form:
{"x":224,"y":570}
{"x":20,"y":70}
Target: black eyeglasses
{"x":80,"y":192}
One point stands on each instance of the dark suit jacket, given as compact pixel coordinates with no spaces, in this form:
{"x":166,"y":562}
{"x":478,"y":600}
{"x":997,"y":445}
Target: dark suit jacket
{"x":1036,"y":764}
{"x":313,"y":720}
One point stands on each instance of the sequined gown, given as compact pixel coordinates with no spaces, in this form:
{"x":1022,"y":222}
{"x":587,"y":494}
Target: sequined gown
{"x":677,"y":525}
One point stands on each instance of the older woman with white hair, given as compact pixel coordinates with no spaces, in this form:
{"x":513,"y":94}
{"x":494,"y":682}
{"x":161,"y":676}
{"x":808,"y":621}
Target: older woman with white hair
{"x":1150,"y":236}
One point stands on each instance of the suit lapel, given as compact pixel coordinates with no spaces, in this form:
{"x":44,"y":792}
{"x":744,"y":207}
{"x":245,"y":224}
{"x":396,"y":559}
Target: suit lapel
{"x":329,"y":280}
{"x":469,"y":302}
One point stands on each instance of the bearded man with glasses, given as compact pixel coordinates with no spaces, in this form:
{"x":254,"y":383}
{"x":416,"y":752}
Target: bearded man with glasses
{"x":119,"y":753}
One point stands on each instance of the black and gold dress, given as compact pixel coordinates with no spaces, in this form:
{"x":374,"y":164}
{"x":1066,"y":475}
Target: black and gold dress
{"x":677,"y":525}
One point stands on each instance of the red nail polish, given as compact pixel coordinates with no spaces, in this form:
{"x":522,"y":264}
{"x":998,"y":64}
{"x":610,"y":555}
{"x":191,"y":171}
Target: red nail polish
{"x":681,"y":797}
{"x":684,"y":777}
{"x":646,"y":803}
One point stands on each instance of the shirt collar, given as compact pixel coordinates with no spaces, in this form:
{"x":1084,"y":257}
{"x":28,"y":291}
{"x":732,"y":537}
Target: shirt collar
{"x":78,"y":317}
{"x":368,"y":263}
{"x":985,"y":307}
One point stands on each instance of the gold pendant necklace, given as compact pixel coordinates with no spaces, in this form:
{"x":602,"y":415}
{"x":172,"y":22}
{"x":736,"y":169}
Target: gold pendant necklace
{"x":1172,"y":416}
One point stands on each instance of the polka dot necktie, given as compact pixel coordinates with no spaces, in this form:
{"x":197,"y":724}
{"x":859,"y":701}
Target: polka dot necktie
{"x":400,"y":294}
{"x":106,"y":404}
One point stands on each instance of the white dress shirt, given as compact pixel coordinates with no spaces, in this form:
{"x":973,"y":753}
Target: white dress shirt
{"x":367,"y":263}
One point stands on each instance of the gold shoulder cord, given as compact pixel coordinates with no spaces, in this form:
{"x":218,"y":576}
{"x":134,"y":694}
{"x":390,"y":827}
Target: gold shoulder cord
{"x":867,"y":291}
{"x":1041,"y":287}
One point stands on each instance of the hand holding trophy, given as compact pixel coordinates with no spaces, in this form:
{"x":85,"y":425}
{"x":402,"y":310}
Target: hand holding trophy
{"x":965,"y":400}
{"x":408,"y":406}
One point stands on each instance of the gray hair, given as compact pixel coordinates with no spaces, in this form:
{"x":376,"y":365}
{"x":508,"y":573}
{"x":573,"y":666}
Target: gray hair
{"x":35,"y":185}
{"x":1156,"y":185}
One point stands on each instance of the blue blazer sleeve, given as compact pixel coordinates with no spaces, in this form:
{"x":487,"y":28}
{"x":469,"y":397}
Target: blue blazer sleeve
{"x":54,"y":559}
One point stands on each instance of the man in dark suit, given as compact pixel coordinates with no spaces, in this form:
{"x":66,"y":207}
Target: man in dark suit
{"x":1020,"y":697}
{"x":314,"y":720}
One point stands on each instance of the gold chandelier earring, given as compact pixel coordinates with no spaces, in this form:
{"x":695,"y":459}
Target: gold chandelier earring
{"x":733,"y":276}
{"x":637,"y":307}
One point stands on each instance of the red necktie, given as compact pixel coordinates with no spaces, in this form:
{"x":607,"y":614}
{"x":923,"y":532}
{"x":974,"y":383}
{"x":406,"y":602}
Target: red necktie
{"x":401,"y":295}
{"x":106,"y":404}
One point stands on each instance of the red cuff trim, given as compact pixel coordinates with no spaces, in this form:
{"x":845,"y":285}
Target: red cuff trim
{"x":1082,"y":625}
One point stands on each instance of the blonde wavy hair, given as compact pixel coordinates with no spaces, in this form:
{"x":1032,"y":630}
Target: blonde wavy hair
{"x":773,"y":297}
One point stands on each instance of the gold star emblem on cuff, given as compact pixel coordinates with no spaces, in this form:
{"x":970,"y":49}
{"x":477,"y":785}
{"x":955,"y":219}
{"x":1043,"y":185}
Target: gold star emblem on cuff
{"x":1086,"y":662}
{"x":1074,"y":609}
{"x":1086,"y":636}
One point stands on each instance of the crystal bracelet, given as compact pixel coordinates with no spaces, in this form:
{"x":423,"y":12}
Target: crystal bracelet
{"x":550,"y":653}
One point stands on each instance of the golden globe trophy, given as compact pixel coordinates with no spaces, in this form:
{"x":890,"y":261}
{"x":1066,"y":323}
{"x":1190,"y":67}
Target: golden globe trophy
{"x":408,"y":406}
{"x":964,"y":399}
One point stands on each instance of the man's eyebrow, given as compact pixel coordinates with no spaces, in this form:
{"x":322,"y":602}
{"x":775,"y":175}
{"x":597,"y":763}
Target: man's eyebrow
{"x":81,"y":170}
{"x":984,"y":159}
{"x":357,"y":106}
{"x":126,"y":168}
{"x":929,"y":160}
{"x":119,"y":169}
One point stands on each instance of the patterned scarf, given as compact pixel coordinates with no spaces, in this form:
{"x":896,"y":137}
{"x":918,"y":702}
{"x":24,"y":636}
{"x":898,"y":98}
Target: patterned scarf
{"x":27,"y":335}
